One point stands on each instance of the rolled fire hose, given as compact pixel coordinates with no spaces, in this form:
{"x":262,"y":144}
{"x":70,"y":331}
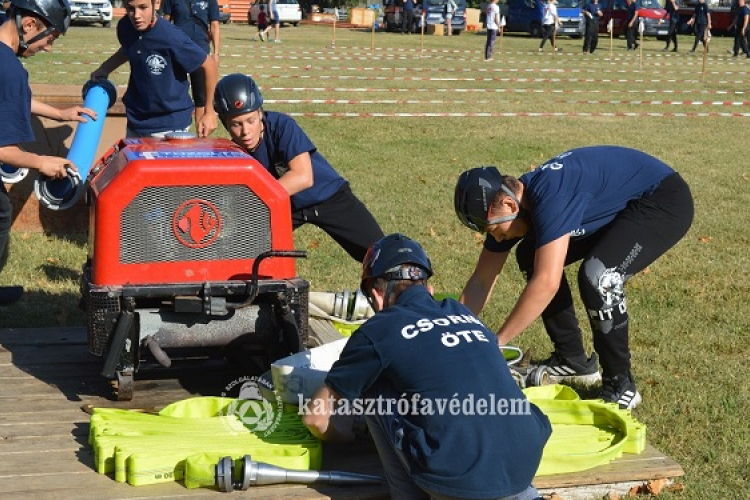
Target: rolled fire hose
{"x":188,"y":438}
{"x":61,"y":194}
{"x":142,"y":448}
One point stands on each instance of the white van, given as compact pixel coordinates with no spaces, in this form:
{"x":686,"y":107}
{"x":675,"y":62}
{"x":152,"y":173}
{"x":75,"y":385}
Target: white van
{"x":289,"y":11}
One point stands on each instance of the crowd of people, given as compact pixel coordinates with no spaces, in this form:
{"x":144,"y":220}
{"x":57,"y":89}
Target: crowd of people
{"x":614,"y":210}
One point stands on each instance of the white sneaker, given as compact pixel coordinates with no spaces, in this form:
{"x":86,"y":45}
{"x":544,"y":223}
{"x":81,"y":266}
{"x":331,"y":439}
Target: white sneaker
{"x":276,"y":40}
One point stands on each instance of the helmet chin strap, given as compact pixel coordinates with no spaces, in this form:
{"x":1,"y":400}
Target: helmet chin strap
{"x":507,"y":218}
{"x":23,"y":45}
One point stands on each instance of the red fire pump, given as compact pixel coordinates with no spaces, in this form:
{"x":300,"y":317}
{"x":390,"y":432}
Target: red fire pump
{"x":190,"y":251}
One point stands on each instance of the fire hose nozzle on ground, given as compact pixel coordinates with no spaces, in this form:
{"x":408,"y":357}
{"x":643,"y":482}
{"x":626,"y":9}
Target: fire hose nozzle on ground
{"x":254,"y":473}
{"x":61,"y":194}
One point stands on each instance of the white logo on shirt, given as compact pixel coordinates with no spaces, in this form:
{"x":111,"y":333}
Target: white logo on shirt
{"x":156,"y":64}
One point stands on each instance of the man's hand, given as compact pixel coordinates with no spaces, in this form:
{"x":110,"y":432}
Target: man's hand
{"x":207,"y":124}
{"x":98,"y":74}
{"x":215,"y":55}
{"x":54,"y":167}
{"x":77,"y":114}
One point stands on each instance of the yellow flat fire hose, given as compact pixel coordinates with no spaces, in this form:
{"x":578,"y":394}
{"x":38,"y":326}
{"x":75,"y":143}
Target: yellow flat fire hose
{"x":142,"y":448}
{"x":585,"y":433}
{"x":187,"y":439}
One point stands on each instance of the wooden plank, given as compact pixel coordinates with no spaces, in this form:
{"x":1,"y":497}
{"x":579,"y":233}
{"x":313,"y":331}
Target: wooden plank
{"x":651,"y":464}
{"x":40,"y":336}
{"x":46,"y":377}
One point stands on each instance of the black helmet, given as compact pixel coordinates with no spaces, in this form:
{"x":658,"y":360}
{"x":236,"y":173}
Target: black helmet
{"x":236,"y":94}
{"x":387,"y":256}
{"x":55,"y":12}
{"x":475,"y":191}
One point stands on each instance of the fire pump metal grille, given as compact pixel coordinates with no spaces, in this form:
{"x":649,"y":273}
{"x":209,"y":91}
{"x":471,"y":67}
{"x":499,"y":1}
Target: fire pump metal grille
{"x":147,"y":233}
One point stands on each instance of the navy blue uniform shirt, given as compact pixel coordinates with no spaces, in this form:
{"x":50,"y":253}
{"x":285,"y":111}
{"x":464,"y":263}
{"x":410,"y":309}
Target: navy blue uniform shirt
{"x":594,"y":10}
{"x":440,"y":351}
{"x":582,"y":190}
{"x":193,"y":17}
{"x":157,"y":99}
{"x":701,"y":13}
{"x":15,"y":100}
{"x":283,"y":139}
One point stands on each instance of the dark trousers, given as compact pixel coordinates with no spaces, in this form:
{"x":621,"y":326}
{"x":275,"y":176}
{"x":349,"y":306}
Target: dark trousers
{"x":630,"y":35}
{"x":700,"y":35}
{"x":548,"y":33}
{"x":591,"y":40}
{"x":198,"y":87}
{"x":345,"y":219}
{"x":641,"y":233}
{"x":407,"y":19}
{"x":489,"y":45}
{"x":6,"y":218}
{"x":672,"y":34}
{"x":740,"y":42}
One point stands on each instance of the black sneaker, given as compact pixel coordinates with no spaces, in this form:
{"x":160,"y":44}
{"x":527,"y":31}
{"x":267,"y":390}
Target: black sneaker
{"x":10,"y":294}
{"x":563,"y":371}
{"x":621,"y":390}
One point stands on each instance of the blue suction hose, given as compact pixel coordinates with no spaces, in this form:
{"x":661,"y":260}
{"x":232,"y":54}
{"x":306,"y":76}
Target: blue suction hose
{"x":61,"y":194}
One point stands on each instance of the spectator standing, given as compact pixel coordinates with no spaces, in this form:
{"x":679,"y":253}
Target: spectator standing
{"x":549,"y":24}
{"x":492,"y":16}
{"x":630,"y":25}
{"x":32,"y":27}
{"x":592,"y":12}
{"x":161,"y":56}
{"x":199,"y":20}
{"x":262,"y":22}
{"x":273,"y":10}
{"x":450,"y":10}
{"x":740,"y":29}
{"x":701,"y":21}
{"x":674,"y":20}
{"x":407,"y":16}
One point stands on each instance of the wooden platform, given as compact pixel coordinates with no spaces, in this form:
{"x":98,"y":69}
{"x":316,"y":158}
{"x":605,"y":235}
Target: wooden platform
{"x":47,"y":375}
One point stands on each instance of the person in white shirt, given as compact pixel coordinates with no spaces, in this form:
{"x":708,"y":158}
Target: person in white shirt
{"x":549,"y":24}
{"x":493,"y":25}
{"x":450,"y":9}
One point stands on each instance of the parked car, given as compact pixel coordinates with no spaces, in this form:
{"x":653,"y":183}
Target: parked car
{"x":91,"y":11}
{"x":526,"y":16}
{"x":290,"y":11}
{"x":225,"y":14}
{"x":650,"y":11}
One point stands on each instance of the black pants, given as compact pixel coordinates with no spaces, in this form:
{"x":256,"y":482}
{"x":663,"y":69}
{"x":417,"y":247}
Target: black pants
{"x":345,"y":219}
{"x":6,"y":219}
{"x":198,"y":87}
{"x":641,"y":233}
{"x":630,"y":36}
{"x":740,"y":42}
{"x":674,"y":20}
{"x":591,"y":40}
{"x":408,"y":21}
{"x":700,"y":35}
{"x":548,"y":33}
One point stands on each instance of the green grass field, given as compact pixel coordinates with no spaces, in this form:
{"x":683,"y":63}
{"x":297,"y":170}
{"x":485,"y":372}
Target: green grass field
{"x":689,"y":318}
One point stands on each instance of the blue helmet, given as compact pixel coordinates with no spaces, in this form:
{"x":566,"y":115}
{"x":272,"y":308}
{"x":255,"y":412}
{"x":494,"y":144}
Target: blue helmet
{"x":475,"y":192}
{"x":236,"y":94}
{"x":386,"y":259}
